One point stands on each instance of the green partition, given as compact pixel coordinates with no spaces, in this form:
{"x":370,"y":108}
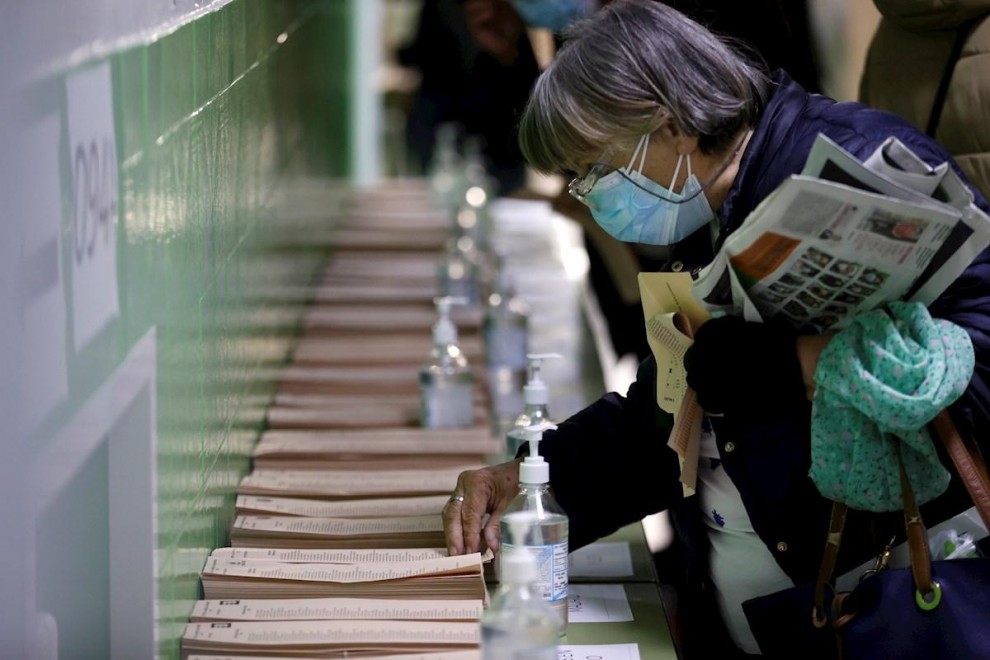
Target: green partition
{"x":210,"y":117}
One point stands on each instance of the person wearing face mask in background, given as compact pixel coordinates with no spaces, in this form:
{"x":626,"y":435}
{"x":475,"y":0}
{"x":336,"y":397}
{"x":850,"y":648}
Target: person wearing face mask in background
{"x":778,"y":32}
{"x":675,"y":138}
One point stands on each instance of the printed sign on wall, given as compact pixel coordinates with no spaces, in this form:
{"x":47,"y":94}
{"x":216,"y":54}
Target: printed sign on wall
{"x":93,"y":166}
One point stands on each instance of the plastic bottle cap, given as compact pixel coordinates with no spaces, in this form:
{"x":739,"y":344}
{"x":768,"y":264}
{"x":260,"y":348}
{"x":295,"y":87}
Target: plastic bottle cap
{"x":444,"y":330}
{"x":535,"y":390}
{"x":534,"y":468}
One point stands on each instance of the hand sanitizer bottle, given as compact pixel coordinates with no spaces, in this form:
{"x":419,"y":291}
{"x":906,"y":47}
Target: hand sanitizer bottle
{"x":474,"y":217}
{"x":506,"y":329}
{"x":446,"y":179}
{"x":519,"y":624}
{"x":457,"y":270}
{"x":445,"y":378}
{"x":535,"y":412}
{"x":547,"y":540}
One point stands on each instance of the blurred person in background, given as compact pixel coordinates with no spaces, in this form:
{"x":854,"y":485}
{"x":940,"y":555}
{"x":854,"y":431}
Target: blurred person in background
{"x":929,"y":62}
{"x":464,"y":84}
{"x":776,"y":31}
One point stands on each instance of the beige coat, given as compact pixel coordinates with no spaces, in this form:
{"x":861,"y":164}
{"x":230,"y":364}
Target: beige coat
{"x":905,"y":63}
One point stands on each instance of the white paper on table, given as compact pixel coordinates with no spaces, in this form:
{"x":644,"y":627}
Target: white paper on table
{"x":610,"y":559}
{"x":597,"y":603}
{"x":598,"y":652}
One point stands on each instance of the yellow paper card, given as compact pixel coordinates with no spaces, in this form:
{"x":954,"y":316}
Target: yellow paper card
{"x":670,"y":311}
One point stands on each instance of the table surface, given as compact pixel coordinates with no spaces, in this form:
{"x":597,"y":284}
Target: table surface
{"x":536,"y":245}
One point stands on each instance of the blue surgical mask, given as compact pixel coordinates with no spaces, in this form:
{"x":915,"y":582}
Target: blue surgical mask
{"x":554,"y":15}
{"x":635,"y":209}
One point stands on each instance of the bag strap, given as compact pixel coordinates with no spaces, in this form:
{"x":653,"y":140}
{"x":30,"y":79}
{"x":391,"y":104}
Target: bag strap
{"x":962,"y":34}
{"x":836,"y":523}
{"x":968,"y":462}
{"x":917,"y":535}
{"x":972,"y":471}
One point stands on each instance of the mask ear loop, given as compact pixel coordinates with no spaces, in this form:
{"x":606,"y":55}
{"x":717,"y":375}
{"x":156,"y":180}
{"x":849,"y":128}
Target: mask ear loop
{"x":677,"y":170}
{"x":640,"y":150}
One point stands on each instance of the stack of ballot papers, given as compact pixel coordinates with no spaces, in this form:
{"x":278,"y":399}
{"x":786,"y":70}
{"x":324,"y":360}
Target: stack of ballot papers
{"x":374,"y":449}
{"x":329,"y":639}
{"x":341,"y":319}
{"x":316,"y":411}
{"x":442,"y":578}
{"x":440,"y":655}
{"x":337,"y":609}
{"x":337,"y":547}
{"x":329,"y":484}
{"x":437,"y":655}
{"x":393,"y":349}
{"x":297,"y":532}
{"x":352,"y":556}
{"x":385,"y":507}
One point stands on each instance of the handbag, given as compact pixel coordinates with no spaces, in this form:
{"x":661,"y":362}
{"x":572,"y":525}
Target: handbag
{"x":930,"y":610}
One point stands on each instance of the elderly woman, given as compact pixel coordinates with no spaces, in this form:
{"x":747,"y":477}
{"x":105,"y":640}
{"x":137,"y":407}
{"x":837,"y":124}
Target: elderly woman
{"x":674,"y":138}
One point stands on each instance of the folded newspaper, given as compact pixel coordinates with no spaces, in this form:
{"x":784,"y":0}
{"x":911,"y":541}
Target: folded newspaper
{"x":840,"y":238}
{"x":846,"y":236}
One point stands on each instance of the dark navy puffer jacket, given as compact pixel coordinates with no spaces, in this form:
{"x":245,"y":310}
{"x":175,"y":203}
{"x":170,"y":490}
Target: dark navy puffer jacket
{"x":609,"y":464}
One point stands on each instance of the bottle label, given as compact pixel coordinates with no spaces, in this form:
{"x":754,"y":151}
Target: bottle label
{"x":551,"y":567}
{"x":447,"y":405}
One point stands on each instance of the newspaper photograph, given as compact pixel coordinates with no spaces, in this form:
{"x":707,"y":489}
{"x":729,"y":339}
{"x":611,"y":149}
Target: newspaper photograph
{"x":817,"y":252}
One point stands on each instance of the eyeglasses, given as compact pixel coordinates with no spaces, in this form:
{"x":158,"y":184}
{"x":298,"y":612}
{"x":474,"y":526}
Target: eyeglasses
{"x":580,"y":186}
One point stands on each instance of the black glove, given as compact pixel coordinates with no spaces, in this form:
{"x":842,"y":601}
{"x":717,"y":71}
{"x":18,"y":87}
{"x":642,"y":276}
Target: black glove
{"x":736,"y":365}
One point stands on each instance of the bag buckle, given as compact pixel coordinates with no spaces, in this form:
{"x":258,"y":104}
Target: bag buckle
{"x":881,"y":561}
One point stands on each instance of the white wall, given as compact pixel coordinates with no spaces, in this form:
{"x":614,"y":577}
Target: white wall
{"x":39,"y":37}
{"x":49,"y":34}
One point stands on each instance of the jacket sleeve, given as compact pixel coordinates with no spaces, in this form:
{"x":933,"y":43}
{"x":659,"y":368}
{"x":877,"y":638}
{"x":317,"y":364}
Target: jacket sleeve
{"x":966,"y":303}
{"x":610,"y":464}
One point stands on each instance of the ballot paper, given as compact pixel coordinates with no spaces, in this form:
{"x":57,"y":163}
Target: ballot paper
{"x":299,"y":532}
{"x":597,"y":603}
{"x":346,"y":556}
{"x":382,"y":448}
{"x":330,"y":638}
{"x":607,"y":559}
{"x":364,"y":350}
{"x":348,"y":483}
{"x":336,"y":609}
{"x":385,"y":507}
{"x":598,"y":652}
{"x":440,"y":655}
{"x":446,"y":578}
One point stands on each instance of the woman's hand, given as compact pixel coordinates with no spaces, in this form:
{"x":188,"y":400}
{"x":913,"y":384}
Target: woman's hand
{"x":739,"y":367}
{"x":488,"y":490}
{"x":809,"y":348}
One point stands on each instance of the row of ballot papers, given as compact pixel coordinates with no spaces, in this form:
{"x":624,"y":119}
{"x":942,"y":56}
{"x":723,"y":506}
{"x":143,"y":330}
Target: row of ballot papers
{"x":337,"y":547}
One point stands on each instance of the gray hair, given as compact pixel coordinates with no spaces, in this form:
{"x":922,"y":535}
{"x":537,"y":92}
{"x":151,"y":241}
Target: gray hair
{"x":625,"y":72}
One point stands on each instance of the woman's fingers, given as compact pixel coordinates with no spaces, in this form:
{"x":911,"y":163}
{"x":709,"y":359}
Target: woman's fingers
{"x":492,"y":530}
{"x":473,"y":509}
{"x":485,"y":491}
{"x":451,"y":516}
